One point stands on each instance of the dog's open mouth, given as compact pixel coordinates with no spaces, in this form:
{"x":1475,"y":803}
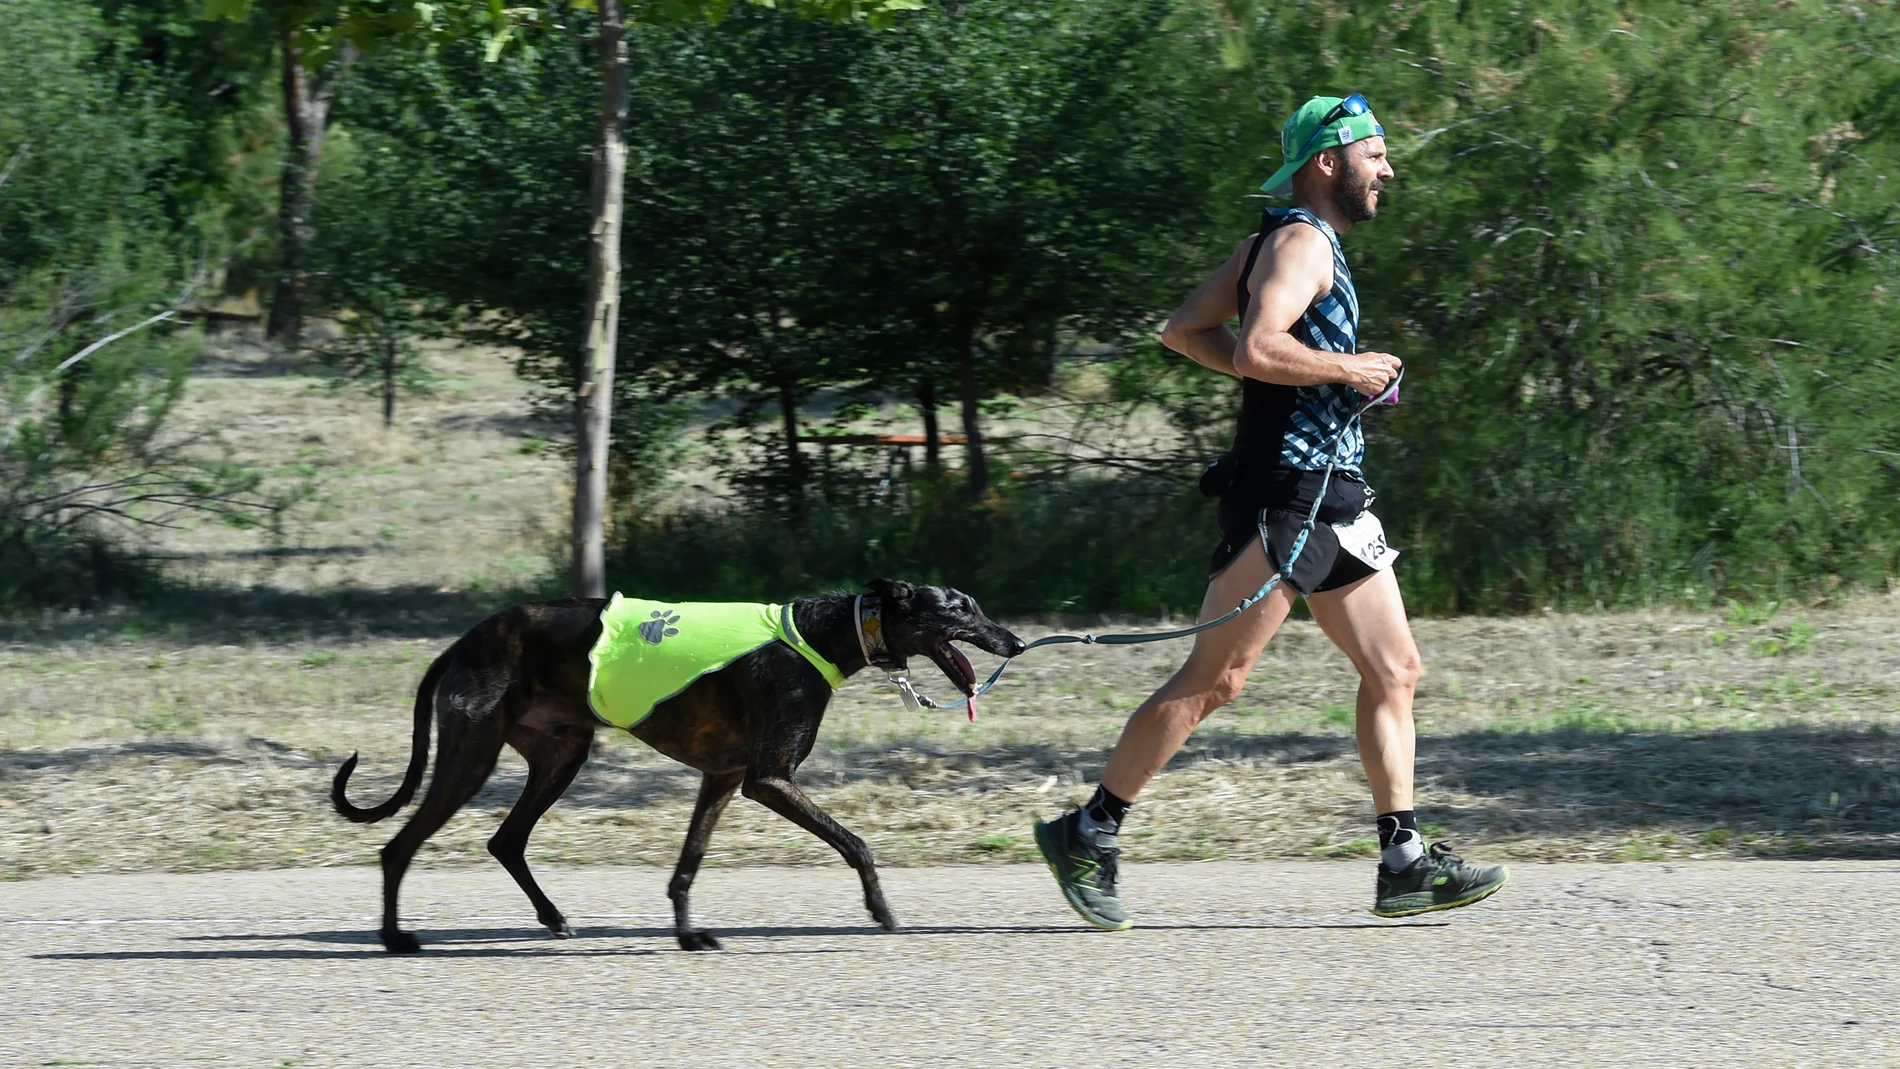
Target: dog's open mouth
{"x":957,"y":668}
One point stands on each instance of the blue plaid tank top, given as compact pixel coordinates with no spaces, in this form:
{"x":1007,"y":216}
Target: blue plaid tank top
{"x":1293,"y":426}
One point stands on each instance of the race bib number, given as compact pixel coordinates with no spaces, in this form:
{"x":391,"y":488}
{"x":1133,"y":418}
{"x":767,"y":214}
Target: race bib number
{"x":1365,"y":538}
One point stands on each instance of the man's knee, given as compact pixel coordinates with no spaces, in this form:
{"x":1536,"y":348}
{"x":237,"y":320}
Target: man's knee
{"x":1399,"y":672}
{"x":1218,"y":687}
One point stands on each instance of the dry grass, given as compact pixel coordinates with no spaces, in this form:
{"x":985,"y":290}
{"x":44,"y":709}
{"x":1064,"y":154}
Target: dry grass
{"x":463,"y":493}
{"x":1628,"y":736}
{"x":201,"y":734}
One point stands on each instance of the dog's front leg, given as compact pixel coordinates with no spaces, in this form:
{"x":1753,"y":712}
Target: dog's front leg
{"x":715,"y":790}
{"x":778,"y":793}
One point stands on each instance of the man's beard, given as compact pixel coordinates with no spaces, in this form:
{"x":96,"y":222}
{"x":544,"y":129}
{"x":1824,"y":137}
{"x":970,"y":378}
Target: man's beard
{"x":1352,"y":195}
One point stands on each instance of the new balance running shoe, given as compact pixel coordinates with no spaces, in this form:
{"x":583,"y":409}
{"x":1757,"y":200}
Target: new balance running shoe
{"x":1439,"y":879}
{"x":1084,"y":871}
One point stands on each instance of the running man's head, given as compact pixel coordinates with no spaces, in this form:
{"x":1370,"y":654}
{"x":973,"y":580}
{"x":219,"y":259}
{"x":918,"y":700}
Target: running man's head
{"x":1335,"y":155}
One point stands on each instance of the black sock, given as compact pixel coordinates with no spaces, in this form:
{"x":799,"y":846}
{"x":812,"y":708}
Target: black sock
{"x":1104,"y":812}
{"x":1400,"y":843}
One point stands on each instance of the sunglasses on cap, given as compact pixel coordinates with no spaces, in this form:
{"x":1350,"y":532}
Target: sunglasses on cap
{"x":1355,"y":104}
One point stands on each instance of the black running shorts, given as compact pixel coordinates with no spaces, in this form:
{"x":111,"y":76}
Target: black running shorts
{"x":1271,"y":506}
{"x":1321,"y":565}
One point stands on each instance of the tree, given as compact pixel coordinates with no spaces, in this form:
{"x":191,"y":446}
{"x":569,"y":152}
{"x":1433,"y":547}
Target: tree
{"x":95,"y":274}
{"x":306,"y":101}
{"x":595,"y":391}
{"x":381,"y":321}
{"x":746,"y":171}
{"x":302,"y":35}
{"x":220,"y":75}
{"x":1028,"y":180}
{"x":338,"y":26}
{"x":790,"y":227}
{"x":380,"y":266}
{"x":936,"y":206}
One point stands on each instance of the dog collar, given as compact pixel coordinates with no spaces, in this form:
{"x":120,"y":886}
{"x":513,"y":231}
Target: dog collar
{"x":871,"y":636}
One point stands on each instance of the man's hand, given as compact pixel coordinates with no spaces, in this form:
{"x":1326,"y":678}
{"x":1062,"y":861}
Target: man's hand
{"x":1369,"y":373}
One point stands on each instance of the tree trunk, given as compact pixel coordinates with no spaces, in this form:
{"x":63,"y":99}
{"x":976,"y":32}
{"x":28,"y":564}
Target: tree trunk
{"x":69,"y":382}
{"x":593,"y":395}
{"x":794,"y":461}
{"x":972,"y":396}
{"x":933,"y":439}
{"x":389,"y":381}
{"x":306,"y":109}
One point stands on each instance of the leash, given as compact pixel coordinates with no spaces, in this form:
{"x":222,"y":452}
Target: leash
{"x":917,"y":701}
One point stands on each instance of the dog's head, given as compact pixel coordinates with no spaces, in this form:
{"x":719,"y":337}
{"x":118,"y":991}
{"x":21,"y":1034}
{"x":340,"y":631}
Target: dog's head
{"x":922,"y":621}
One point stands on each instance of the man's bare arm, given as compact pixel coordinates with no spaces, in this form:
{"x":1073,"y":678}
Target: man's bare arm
{"x":1198,"y":329}
{"x":1294,"y":268}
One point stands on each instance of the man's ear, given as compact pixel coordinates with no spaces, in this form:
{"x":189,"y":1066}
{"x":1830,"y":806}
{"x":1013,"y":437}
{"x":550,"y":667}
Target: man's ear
{"x":891,"y":589}
{"x":1330,"y":161}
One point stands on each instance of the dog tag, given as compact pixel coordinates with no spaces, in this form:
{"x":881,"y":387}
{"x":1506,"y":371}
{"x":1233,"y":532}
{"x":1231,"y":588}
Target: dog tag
{"x":909,"y":693}
{"x":1365,"y":538}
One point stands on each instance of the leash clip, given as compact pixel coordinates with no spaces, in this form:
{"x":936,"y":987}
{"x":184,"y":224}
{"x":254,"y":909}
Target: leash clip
{"x":913,"y":701}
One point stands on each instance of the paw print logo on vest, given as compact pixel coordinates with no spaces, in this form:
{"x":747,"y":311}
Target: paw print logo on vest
{"x":661,"y":626}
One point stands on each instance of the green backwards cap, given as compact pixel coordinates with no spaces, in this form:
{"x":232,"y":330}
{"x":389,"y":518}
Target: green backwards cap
{"x":1308,"y":128}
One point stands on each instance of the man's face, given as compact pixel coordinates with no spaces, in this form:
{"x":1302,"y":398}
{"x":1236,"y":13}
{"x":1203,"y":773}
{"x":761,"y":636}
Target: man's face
{"x":1363,"y":170}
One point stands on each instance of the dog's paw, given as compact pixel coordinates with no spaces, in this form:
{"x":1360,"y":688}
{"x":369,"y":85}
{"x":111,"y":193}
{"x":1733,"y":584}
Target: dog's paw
{"x":698,"y":941}
{"x":561,"y":930}
{"x":400,"y":942}
{"x":885,"y":919}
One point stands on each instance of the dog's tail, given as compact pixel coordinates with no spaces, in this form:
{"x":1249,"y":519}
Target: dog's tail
{"x":418,"y":755}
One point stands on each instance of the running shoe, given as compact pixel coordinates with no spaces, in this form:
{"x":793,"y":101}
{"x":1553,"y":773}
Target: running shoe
{"x":1439,"y":879}
{"x":1084,"y":870}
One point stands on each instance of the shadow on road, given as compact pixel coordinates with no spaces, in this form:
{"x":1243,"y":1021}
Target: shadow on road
{"x":293,"y":954}
{"x":483,"y":942}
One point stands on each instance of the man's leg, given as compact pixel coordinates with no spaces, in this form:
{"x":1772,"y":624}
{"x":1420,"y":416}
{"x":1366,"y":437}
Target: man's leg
{"x":1367,"y":621}
{"x":1213,"y":675}
{"x":1080,"y":847}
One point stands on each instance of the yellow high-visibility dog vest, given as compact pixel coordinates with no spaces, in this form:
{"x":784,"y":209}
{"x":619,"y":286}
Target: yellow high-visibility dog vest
{"x":648,"y":651}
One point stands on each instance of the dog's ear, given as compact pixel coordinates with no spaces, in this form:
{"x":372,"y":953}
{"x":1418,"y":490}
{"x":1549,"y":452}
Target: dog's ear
{"x":892,"y":589}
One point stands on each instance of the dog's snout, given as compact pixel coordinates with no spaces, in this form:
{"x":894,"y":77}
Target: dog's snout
{"x":1015,"y":645}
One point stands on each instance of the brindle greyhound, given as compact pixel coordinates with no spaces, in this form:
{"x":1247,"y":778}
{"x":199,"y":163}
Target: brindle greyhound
{"x":520,"y":677}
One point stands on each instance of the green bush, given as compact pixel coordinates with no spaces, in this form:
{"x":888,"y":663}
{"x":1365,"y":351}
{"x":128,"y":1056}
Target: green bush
{"x":94,"y":271}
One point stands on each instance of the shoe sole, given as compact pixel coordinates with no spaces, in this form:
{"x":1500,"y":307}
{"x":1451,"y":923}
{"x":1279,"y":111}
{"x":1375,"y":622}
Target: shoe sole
{"x":1071,"y":897}
{"x":1436,"y":906}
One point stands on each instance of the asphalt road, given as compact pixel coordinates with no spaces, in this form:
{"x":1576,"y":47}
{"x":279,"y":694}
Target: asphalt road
{"x":1713,"y":963}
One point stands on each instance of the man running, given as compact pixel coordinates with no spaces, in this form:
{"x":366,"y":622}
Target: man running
{"x":1302,"y":379}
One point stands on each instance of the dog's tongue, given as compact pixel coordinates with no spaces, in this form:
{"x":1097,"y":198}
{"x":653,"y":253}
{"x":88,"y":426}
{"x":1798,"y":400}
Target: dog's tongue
{"x":969,"y":676}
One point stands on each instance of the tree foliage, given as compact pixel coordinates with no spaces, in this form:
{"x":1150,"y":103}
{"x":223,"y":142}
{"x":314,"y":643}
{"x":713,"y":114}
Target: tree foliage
{"x":1640,"y":258}
{"x":811,"y":206}
{"x":95,"y":267}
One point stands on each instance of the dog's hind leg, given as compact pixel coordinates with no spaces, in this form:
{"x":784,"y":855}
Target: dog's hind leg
{"x":465,"y":756}
{"x":782,"y":796}
{"x":555,"y":752}
{"x":715,"y":790}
